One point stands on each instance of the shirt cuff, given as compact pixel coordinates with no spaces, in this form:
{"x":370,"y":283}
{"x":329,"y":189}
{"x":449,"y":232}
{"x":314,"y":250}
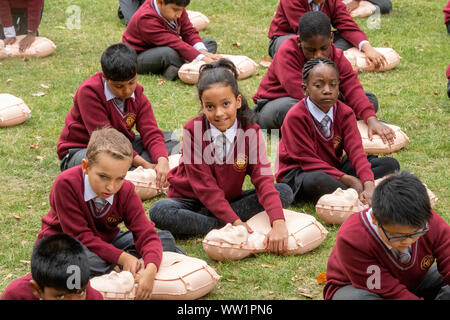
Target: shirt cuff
{"x":199,"y":57}
{"x":200,"y":46}
{"x":362,"y":43}
{"x":9,"y":32}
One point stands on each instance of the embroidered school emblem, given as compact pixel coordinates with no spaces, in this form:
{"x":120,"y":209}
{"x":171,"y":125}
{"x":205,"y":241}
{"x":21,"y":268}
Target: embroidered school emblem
{"x":113,"y":220}
{"x":130,"y":120}
{"x":241,"y":163}
{"x":427,"y":261}
{"x":337,"y":141}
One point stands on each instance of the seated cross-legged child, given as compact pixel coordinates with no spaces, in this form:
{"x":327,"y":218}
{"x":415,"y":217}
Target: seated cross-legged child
{"x":163,"y":36}
{"x":280,"y":88}
{"x":316,"y":132}
{"x":285,"y":24}
{"x":387,"y":252}
{"x":220,"y":148}
{"x":113,"y":97}
{"x":59,"y":271}
{"x":19,"y":17}
{"x":89,"y":202}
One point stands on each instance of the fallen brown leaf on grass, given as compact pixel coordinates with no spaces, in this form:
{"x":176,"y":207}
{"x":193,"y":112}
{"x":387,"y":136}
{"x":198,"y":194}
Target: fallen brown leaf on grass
{"x":38,"y":94}
{"x":306,"y":293}
{"x":266,"y":265}
{"x":45,"y":86}
{"x":161,"y":81}
{"x":15,"y":216}
{"x":321,"y":278}
{"x":25,"y":262}
{"x":34,"y":146}
{"x":236,"y":44}
{"x":9,"y":80}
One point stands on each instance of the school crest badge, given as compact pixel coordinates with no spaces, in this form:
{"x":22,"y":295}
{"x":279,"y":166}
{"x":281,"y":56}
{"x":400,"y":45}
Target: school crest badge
{"x":427,"y":261}
{"x":240,"y":164}
{"x":336,"y":142}
{"x":131,"y":117}
{"x":112,"y":220}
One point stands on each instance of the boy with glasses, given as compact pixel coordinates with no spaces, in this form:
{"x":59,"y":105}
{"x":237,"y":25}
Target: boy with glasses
{"x":387,"y":252}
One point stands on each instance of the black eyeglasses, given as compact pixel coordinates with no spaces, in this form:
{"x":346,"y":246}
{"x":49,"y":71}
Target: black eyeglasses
{"x":414,"y":235}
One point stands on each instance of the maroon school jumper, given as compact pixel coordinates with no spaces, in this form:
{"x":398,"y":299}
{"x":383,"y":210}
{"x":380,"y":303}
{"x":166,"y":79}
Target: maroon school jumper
{"x":358,"y":248}
{"x":289,"y":12}
{"x":284,"y":78}
{"x":447,"y":13}
{"x":216,"y":185}
{"x":303,"y":145}
{"x":20,"y":289}
{"x":91,"y":111}
{"x":34,"y":8}
{"x":70,"y":214}
{"x":147,"y":29}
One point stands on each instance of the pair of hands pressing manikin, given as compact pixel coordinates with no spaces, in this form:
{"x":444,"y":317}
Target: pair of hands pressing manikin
{"x":25,"y":43}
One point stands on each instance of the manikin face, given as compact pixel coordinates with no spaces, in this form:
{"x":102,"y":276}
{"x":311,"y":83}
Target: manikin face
{"x":322,"y":86}
{"x":107,"y":175}
{"x":316,"y":47}
{"x":220,"y":106}
{"x":170,"y":11}
{"x":122,"y":89}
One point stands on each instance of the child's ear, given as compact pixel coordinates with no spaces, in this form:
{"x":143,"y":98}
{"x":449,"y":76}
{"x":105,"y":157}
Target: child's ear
{"x":304,"y":89}
{"x":238,"y":101}
{"x":84,"y":166}
{"x":36,"y":290}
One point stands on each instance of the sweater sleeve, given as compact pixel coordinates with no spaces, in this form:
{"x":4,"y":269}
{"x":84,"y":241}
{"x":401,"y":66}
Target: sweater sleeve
{"x":188,"y":33}
{"x":5,"y":14}
{"x":354,"y":148}
{"x":441,"y":245}
{"x":344,"y":23}
{"x":155,"y":32}
{"x":34,"y":14}
{"x":145,"y":237}
{"x":299,"y":146}
{"x":152,"y":137}
{"x":288,"y":68}
{"x":447,"y":13}
{"x":262,"y":178}
{"x":293,"y":11}
{"x":365,"y":272}
{"x":73,"y":221}
{"x":352,"y":89}
{"x":202,"y":180}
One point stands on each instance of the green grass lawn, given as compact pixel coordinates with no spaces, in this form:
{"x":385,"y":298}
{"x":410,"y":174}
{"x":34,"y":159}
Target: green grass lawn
{"x":412,"y":96}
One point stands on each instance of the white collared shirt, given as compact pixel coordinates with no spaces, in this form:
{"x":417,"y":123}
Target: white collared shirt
{"x":198,"y":46}
{"x":230,"y":133}
{"x":90,"y":194}
{"x":110,"y":95}
{"x":316,"y":7}
{"x":319,"y":114}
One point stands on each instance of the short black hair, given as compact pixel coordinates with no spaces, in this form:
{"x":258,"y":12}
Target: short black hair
{"x":312,"y":63}
{"x":401,"y":199}
{"x":314,"y":23}
{"x":224,"y":71}
{"x":53,"y":261}
{"x":181,"y":3}
{"x":119,"y":62}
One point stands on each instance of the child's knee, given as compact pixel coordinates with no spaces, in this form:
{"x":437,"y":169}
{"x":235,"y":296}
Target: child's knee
{"x":286,"y":194}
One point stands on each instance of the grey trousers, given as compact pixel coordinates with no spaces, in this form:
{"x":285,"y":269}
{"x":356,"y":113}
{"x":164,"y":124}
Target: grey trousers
{"x":432,"y":287}
{"x":127,"y":8}
{"x":189,"y":217}
{"x":166,"y":61}
{"x":385,"y":5}
{"x":74,"y":156}
{"x":271,"y":113}
{"x":124,"y":241}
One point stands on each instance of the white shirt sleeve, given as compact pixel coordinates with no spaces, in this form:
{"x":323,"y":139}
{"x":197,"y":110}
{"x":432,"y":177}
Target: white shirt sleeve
{"x":361,"y":44}
{"x":9,"y":32}
{"x":200,"y":46}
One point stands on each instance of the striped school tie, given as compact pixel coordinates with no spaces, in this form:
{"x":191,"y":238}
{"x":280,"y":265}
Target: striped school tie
{"x":324,"y":125}
{"x":220,"y":145}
